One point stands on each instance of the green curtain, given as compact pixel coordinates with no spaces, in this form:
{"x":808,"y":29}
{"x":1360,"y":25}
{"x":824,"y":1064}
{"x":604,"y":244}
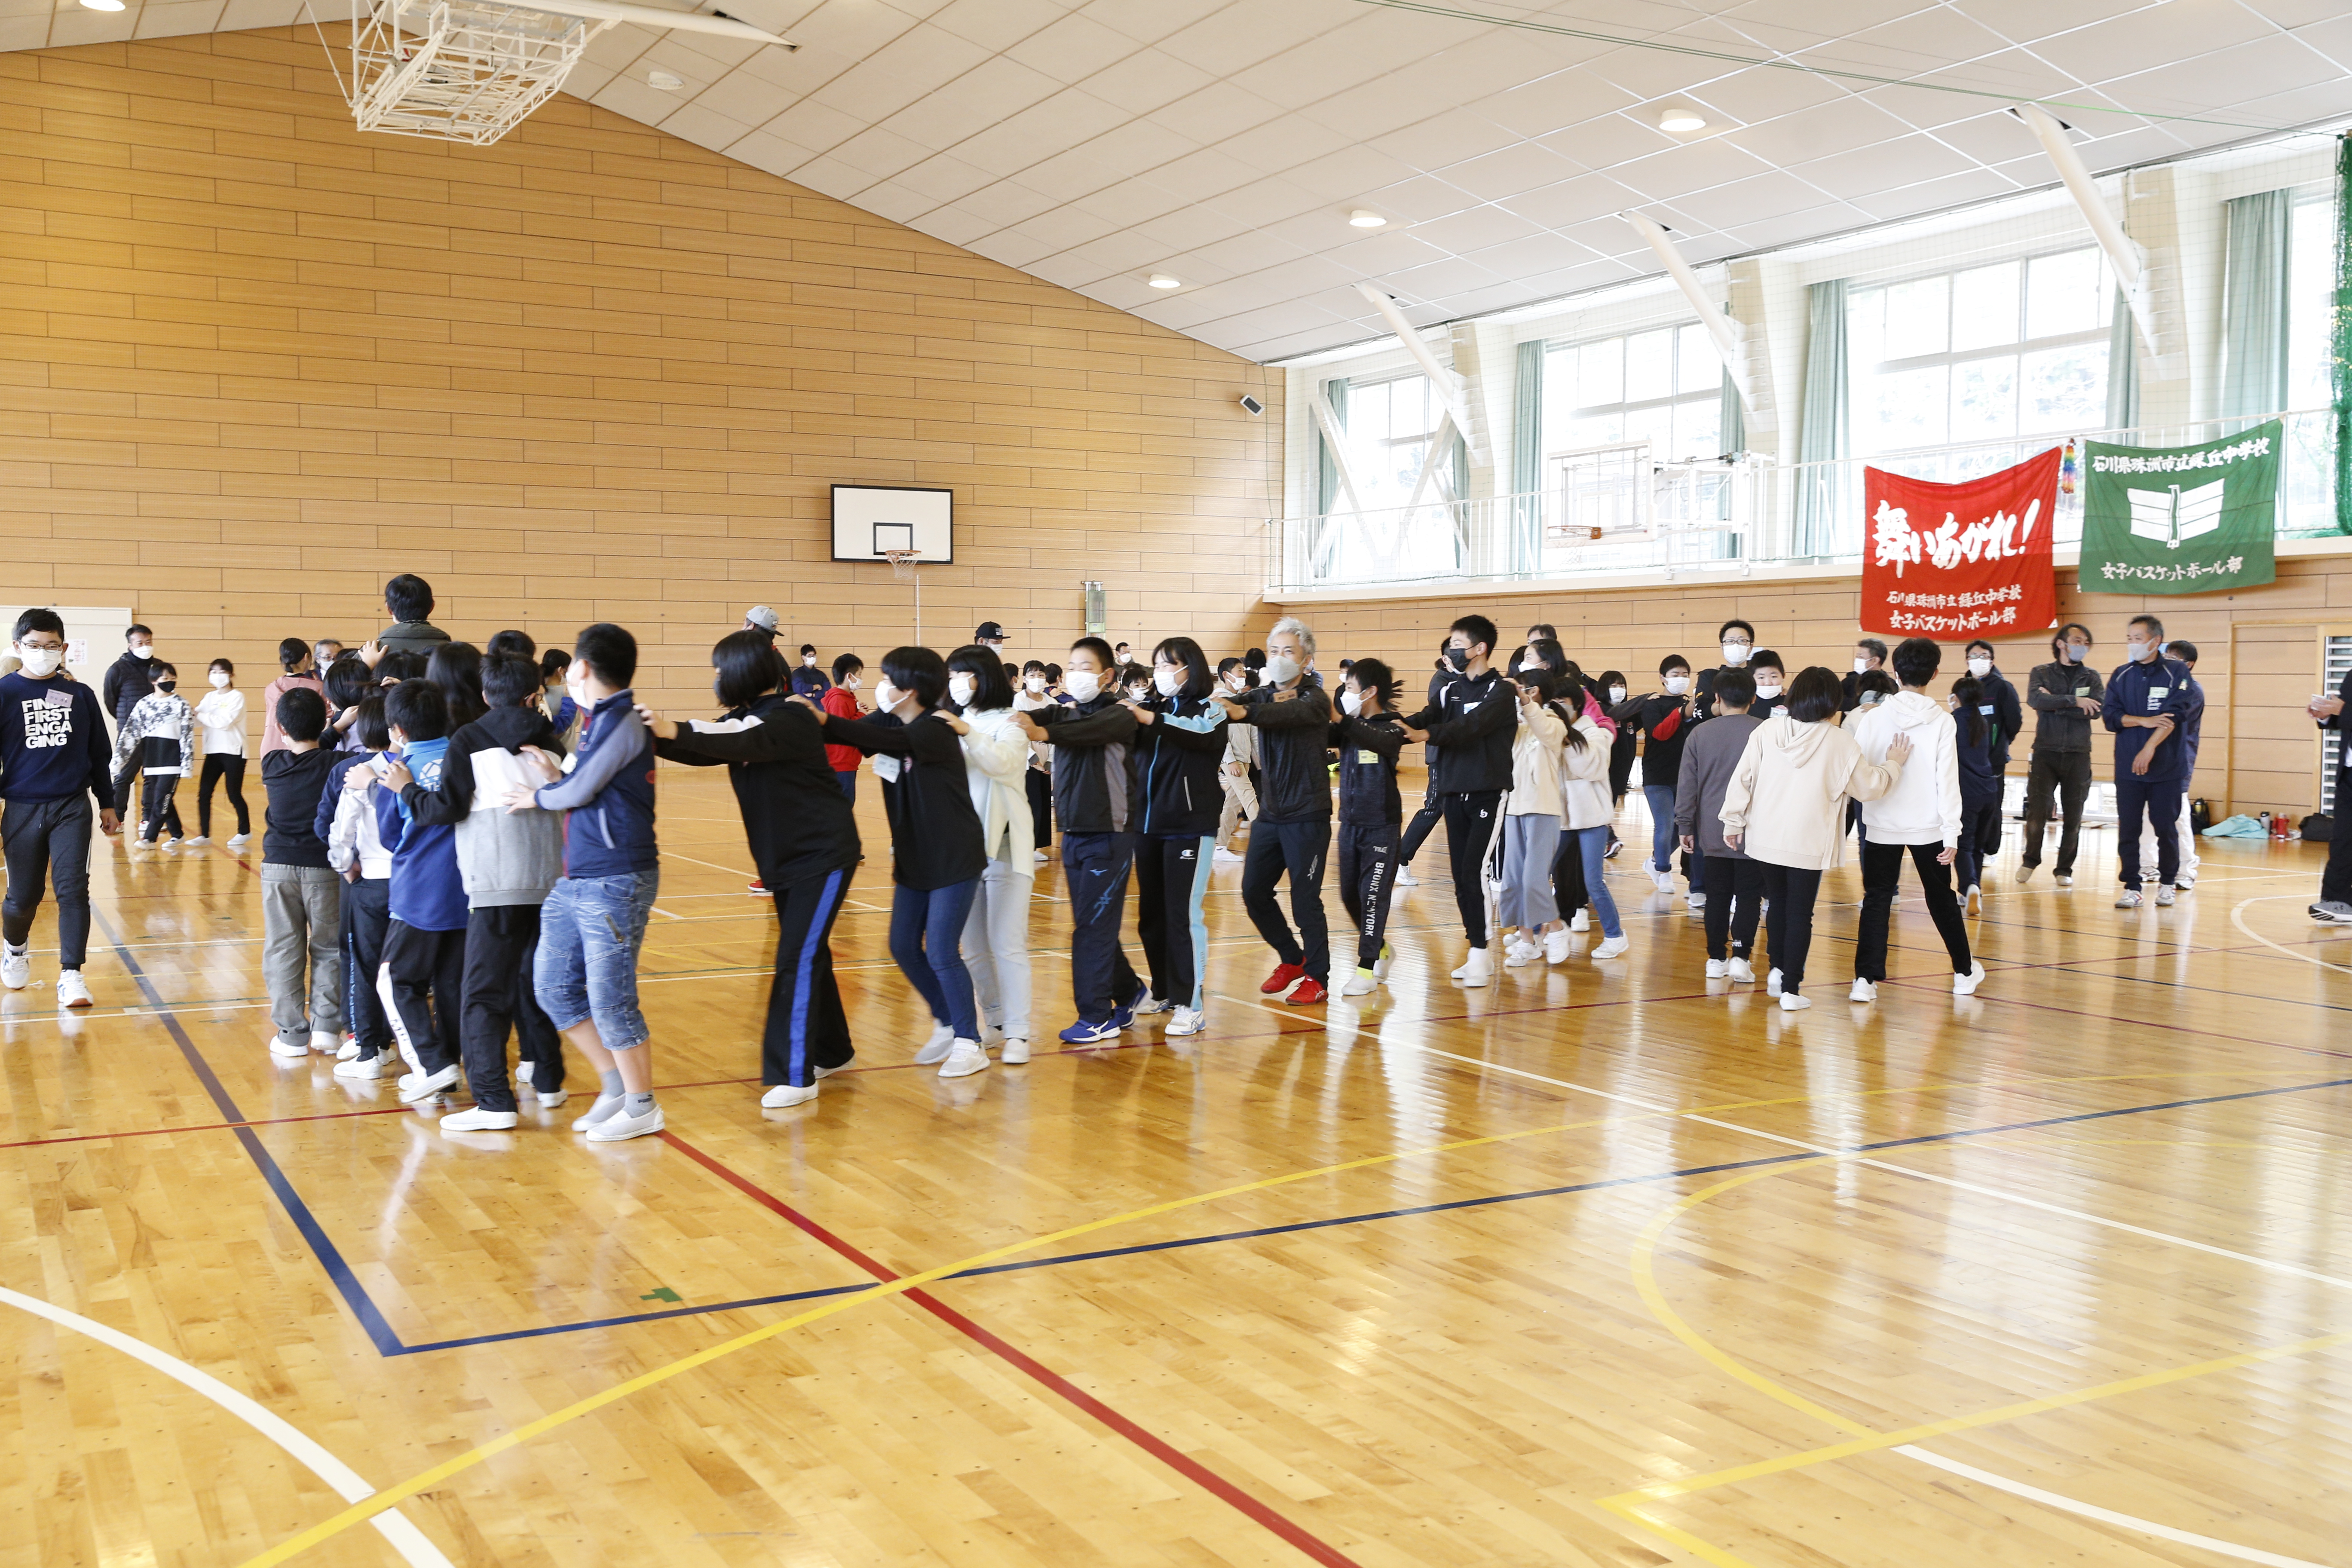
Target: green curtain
{"x":1824,"y":420}
{"x":2340,"y":343}
{"x":1328,"y":493}
{"x":1527,"y":457}
{"x":2123,"y":367}
{"x":1733,"y":417}
{"x":2253,"y":304}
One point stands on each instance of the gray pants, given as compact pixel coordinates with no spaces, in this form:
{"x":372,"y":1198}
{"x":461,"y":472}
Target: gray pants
{"x":1530,"y":843}
{"x":46,"y":840}
{"x":996,"y":945}
{"x":301,"y":917}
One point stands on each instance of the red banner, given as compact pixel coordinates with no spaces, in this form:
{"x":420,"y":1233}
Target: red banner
{"x":1960,"y":562}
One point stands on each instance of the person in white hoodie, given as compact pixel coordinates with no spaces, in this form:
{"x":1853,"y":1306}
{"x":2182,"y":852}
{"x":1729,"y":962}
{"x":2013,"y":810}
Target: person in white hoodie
{"x":1921,"y":814}
{"x":1531,"y":813}
{"x":1785,"y":808}
{"x":996,"y":933}
{"x":1587,"y":806}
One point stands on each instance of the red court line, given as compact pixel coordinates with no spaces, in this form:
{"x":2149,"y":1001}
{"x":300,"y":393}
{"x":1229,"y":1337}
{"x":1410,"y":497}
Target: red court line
{"x":1175,"y":1460}
{"x":209,"y":1127}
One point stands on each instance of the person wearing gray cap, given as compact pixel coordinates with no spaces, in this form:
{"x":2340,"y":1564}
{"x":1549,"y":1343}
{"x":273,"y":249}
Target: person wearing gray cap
{"x":760,"y":618}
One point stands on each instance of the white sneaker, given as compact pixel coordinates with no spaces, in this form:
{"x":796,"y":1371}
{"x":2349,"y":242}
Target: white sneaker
{"x":1363,"y":982}
{"x":366,"y":1071}
{"x":1973,"y":899}
{"x":1039,"y":856}
{"x":1224,"y":857}
{"x":479,"y":1120}
{"x":1016,"y":1048}
{"x":964,"y":1058}
{"x":2128,"y":898}
{"x":2063,"y":879}
{"x":1792,"y":1003}
{"x":1405,"y":878}
{"x":240,"y":840}
{"x":1966,"y":985}
{"x":73,"y":991}
{"x":288,"y":1050}
{"x":1694,"y":902}
{"x":1614,"y":947}
{"x":2164,"y":898}
{"x":1665,"y":880}
{"x":326,"y":1042}
{"x":1381,"y":964}
{"x":785,"y":1095}
{"x":1520,"y":953}
{"x":425,"y":1085}
{"x":1737,"y":969}
{"x":607,"y":1105}
{"x":1556,"y":946}
{"x":1151,"y":1003}
{"x":1580,"y":922}
{"x":1186,"y":1021}
{"x":549,"y":1098}
{"x":936,"y":1048}
{"x":2024,"y":875}
{"x":1773,"y":983}
{"x":349,"y":1050}
{"x":1863,"y":991}
{"x":1478,"y":969}
{"x":199,"y":839}
{"x":615,"y":1127}
{"x":1715,"y":969}
{"x":16,"y":968}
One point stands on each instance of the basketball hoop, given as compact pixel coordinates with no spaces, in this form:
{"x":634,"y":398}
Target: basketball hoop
{"x":902,"y":566}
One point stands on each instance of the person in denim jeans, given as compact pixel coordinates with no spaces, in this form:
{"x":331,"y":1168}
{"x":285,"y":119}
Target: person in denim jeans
{"x":586,"y":975}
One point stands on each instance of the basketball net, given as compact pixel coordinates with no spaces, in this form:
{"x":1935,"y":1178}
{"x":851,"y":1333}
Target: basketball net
{"x":902,"y":566}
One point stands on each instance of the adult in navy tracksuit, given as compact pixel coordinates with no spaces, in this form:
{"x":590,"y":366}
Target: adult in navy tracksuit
{"x":424,"y":944}
{"x":1179,"y":748}
{"x":1976,"y":723}
{"x":1293,"y":831}
{"x":54,"y":759}
{"x":1092,"y":797}
{"x":2146,"y":704}
{"x":804,"y":839}
{"x":2008,"y":723}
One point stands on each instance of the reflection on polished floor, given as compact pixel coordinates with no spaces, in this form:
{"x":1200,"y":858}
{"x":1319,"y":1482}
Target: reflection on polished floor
{"x":1606,"y":1264}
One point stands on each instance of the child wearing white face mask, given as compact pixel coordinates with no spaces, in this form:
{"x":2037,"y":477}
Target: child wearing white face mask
{"x":220,"y":719}
{"x":1665,"y":719}
{"x":1241,"y":762}
{"x":1178,"y":746}
{"x":1765,"y":669}
{"x":996,"y":933}
{"x":840,"y":700}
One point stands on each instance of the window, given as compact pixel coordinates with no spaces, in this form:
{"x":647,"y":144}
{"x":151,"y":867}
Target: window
{"x":1986,"y":353}
{"x":1389,"y":426}
{"x":2307,"y":495}
{"x":1663,"y":387}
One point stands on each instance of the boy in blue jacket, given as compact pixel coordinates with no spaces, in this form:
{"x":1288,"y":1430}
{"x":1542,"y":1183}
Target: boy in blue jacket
{"x":424,"y":944}
{"x":54,"y":759}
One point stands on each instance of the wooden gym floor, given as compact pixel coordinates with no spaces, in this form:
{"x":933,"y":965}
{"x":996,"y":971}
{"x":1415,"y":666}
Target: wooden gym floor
{"x":1603,"y":1265}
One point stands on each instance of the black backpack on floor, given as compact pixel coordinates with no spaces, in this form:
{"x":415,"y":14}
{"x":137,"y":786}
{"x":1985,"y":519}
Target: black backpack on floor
{"x":2318,"y":828}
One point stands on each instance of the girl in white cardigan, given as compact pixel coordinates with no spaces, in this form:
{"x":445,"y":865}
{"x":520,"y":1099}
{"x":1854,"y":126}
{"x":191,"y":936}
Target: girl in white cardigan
{"x":996,"y":933}
{"x":1530,"y":824}
{"x":1785,"y":808}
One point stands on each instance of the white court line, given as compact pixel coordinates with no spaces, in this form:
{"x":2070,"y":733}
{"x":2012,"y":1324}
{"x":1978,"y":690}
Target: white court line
{"x":2105,"y":1516}
{"x":2238,"y":919}
{"x":395,"y":1526}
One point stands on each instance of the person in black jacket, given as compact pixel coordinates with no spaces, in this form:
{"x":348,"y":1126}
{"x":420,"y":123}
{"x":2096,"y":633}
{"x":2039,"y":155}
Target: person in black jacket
{"x":1474,"y":721}
{"x":2334,"y":905}
{"x":2067,"y":696}
{"x":803,"y":840}
{"x":1432,"y":804}
{"x":127,"y":680}
{"x":1665,"y":719}
{"x":937,"y":852}
{"x":1178,"y":746}
{"x":1293,"y":832}
{"x":1368,"y":739}
{"x":2009,"y":722}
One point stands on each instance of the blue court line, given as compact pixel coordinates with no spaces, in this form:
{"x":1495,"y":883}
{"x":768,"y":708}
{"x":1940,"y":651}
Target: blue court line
{"x":389,"y":1343}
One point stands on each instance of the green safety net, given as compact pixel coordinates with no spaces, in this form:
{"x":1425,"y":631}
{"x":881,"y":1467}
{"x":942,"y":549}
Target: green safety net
{"x":2340,"y":337}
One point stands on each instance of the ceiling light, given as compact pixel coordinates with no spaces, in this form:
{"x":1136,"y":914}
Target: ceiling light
{"x":1365,"y":217}
{"x":101,"y":5}
{"x":664,"y":81}
{"x":1682,"y":117}
{"x":1161,"y":280}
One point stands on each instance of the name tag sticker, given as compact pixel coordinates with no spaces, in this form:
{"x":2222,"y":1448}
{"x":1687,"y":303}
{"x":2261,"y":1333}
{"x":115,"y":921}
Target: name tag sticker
{"x":58,"y":699}
{"x":1368,"y":758}
{"x":2156,"y":696}
{"x":1987,"y":708}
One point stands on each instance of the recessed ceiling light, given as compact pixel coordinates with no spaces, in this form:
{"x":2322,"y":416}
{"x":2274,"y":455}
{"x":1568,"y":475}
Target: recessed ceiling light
{"x":1365,"y":217}
{"x":1161,"y":280}
{"x":101,"y":5}
{"x":664,"y":81}
{"x":1682,"y":117}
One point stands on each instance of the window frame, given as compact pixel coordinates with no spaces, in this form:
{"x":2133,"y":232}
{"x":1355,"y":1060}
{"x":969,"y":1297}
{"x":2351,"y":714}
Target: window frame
{"x":1572,"y":413}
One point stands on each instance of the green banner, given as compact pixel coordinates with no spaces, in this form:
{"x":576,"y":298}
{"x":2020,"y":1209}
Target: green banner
{"x":2180,"y":519}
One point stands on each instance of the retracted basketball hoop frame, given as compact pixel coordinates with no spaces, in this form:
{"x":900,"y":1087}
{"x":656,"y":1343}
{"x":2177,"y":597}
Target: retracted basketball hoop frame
{"x":902,"y":566}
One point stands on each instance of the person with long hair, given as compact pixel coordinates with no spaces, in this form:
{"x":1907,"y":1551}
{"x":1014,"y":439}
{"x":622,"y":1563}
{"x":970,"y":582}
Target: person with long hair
{"x":1179,"y":745}
{"x":996,"y":933}
{"x":937,"y":849}
{"x":804,"y":839}
{"x":1525,"y":912}
{"x":1368,"y":737}
{"x":457,"y":668}
{"x":1785,"y":808}
{"x":1586,"y":809}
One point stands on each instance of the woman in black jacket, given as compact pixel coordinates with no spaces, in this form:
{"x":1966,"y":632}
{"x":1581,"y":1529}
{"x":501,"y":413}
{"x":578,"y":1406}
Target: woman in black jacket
{"x":803,"y":840}
{"x":1179,"y":743}
{"x":937,"y":853}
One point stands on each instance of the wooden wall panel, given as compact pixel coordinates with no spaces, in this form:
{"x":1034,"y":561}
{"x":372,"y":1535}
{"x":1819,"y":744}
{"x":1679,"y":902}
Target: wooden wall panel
{"x":252,"y":364}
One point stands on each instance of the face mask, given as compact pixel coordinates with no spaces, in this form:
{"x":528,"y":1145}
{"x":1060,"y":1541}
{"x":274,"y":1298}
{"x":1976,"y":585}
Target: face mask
{"x":809,"y":660}
{"x":886,"y":696}
{"x":2140,"y":651}
{"x":41,"y":662}
{"x":960,"y":688}
{"x":1459,"y":657}
{"x":574,"y":690}
{"x":1677,"y":684}
{"x":1281,"y":669}
{"x":1768,"y":690}
{"x":1862,"y":666}
{"x":1616,"y":694}
{"x":1237,"y":682}
{"x":1352,"y":701}
{"x":1083,"y":684}
{"x":2076,"y":653}
{"x":220,"y":681}
{"x":853,"y":682}
{"x":1870,"y":698}
{"x":147,"y":652}
{"x":1736,"y":653}
{"x":1167,"y":682}
{"x":1980,"y":667}
{"x":165,"y":685}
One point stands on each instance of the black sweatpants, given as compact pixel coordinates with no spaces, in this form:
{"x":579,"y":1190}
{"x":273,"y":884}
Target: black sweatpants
{"x":1789,"y":924}
{"x":1882,"y":871}
{"x":1469,"y":832}
{"x":1423,"y":823}
{"x":125,"y":777}
{"x":501,"y":942}
{"x":229,"y":771}
{"x":46,"y":839}
{"x":1040,"y":786}
{"x":1568,"y":893}
{"x":157,"y":808}
{"x":1172,"y":875}
{"x":367,"y":914}
{"x":1732,"y":882}
{"x":2336,"y":880}
{"x":2066,"y":774}
{"x":1297,"y":849}
{"x":1095,"y":868}
{"x":422,"y":981}
{"x":807,"y":1028}
{"x":1367,"y":868}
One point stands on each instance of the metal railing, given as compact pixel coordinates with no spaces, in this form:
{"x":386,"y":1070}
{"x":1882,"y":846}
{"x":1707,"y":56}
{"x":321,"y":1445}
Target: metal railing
{"x":1617,"y":510}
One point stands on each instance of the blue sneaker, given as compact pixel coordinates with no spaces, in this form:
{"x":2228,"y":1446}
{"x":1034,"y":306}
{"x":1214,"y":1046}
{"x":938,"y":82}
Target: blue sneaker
{"x":1123,"y":1016}
{"x":1084,"y":1034}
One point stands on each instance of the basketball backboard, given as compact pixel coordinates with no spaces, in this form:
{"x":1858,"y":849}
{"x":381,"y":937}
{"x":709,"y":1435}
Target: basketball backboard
{"x":870,"y":520}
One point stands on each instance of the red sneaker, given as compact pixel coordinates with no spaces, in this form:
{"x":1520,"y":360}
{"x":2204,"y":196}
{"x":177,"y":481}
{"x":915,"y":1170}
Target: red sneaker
{"x":758,"y":890}
{"x":1310,"y":991}
{"x":1282,"y":979}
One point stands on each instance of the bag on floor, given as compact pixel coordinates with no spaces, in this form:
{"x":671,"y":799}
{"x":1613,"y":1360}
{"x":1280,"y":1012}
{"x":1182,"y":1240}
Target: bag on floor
{"x":2318,"y":828}
{"x":2201,"y":815}
{"x":2238,"y":826}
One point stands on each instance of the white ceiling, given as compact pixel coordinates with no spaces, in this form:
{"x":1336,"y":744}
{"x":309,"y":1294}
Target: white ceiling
{"x":1094,"y":142}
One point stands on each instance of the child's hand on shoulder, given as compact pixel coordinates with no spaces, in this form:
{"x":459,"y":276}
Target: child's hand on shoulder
{"x":539,"y":765}
{"x":396,"y":775}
